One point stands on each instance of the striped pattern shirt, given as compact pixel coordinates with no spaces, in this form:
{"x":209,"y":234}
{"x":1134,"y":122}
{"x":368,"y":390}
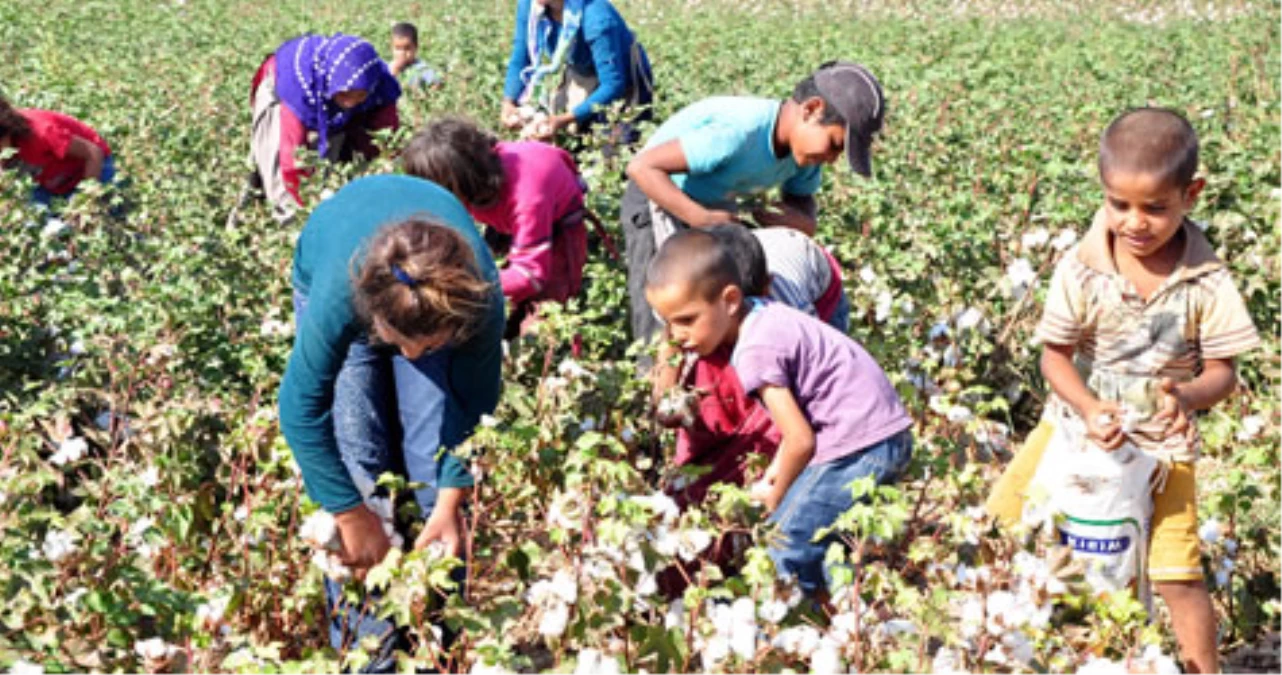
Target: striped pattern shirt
{"x":1124,"y":344}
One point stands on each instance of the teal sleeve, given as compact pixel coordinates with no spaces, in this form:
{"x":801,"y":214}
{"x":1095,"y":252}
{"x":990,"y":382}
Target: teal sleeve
{"x":804,"y":183}
{"x":307,"y":395}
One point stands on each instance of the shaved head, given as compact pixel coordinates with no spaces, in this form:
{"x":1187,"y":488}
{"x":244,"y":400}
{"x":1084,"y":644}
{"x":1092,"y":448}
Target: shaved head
{"x":696,"y":259}
{"x":1154,"y":141}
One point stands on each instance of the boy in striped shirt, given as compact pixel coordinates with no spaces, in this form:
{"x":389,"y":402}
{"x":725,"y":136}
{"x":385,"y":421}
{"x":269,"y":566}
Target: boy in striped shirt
{"x":1142,"y":317}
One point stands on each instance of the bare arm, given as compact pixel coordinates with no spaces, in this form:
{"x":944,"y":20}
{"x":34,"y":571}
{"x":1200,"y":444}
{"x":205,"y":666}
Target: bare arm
{"x":652,"y":170}
{"x":798,"y":442}
{"x":1057,"y":368}
{"x":1216,"y":383}
{"x":91,"y":154}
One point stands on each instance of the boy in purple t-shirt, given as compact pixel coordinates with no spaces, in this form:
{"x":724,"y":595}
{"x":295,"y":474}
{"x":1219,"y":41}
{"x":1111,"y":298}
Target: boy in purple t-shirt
{"x":838,"y":414}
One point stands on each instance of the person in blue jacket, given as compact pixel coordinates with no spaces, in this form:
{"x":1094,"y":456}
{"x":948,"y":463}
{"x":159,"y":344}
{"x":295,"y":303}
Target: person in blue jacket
{"x":570,"y":60}
{"x":397,"y":353}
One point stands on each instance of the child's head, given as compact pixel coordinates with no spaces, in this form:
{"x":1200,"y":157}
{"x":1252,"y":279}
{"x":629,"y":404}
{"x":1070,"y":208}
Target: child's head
{"x":693,"y":284}
{"x":13,"y":126}
{"x":404,"y":42}
{"x":842,"y":106}
{"x":419,"y":287}
{"x":1147,"y":166}
{"x":459,"y":156}
{"x":749,"y":256}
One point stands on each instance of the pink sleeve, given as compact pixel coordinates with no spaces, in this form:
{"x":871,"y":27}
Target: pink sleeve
{"x":292,"y":135}
{"x":529,"y":262}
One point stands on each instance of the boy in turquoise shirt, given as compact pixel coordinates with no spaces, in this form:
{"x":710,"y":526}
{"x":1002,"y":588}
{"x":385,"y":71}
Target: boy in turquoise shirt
{"x":705,"y":158}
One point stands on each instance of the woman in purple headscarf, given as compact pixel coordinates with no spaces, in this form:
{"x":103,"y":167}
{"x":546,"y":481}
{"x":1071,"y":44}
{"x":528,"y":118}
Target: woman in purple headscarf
{"x":324,"y":92}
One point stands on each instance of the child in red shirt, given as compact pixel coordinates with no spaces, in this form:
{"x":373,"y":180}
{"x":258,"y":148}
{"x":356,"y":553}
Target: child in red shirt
{"x":56,"y":150}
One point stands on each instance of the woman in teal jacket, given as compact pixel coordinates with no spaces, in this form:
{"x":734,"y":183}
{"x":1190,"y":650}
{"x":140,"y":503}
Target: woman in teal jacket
{"x":399,"y":320}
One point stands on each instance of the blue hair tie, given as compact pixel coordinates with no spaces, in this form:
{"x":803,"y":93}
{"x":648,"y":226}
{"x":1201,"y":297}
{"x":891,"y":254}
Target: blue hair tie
{"x":403,"y":276}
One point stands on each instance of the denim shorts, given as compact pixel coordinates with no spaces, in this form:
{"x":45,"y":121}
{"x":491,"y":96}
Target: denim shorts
{"x":820,"y":495}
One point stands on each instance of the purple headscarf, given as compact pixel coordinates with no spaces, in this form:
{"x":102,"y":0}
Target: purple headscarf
{"x":312,"y":68}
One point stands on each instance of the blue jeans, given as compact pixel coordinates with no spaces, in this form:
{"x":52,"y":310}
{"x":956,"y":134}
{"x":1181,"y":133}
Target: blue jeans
{"x":388,"y":416}
{"x":106,"y":177}
{"x":822,"y":493}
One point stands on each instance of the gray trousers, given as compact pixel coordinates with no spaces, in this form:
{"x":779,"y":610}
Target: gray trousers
{"x":645,"y":227}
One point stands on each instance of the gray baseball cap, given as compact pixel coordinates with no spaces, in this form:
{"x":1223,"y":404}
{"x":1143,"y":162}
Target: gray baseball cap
{"x":856,"y":95}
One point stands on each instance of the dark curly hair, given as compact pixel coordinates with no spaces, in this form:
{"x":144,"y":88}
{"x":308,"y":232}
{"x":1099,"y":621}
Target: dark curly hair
{"x":459,"y":156}
{"x":447,"y":293}
{"x":12,"y":123}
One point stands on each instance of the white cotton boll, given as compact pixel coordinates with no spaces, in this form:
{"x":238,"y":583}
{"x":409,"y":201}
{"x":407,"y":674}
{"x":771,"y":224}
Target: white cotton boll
{"x":564,"y":586}
{"x":1098,"y":666}
{"x":1035,"y":238}
{"x":275,"y":328}
{"x":627,"y":435}
{"x":960,"y":414}
{"x":946,"y":662}
{"x":53,"y":227}
{"x":662,"y":505}
{"x":554,"y":383}
{"x":1157,"y":662}
{"x":675,"y":617}
{"x":647,"y":585}
{"x":241,"y":513}
{"x":150,"y":477}
{"x":1001,"y":611}
{"x":570,"y":369}
{"x":1020,"y":274}
{"x":480,"y":667}
{"x":326,"y":194}
{"x":842,"y":627}
{"x":211,"y":613}
{"x":826,"y":658}
{"x":70,"y":450}
{"x":24,"y":667}
{"x":58,"y":545}
{"x":154,"y":649}
{"x":867,"y":275}
{"x":1064,"y":239}
{"x":1209,"y":532}
{"x":1230,"y":545}
{"x":885,"y":302}
{"x":140,"y":527}
{"x":588,"y":424}
{"x":714,"y":651}
{"x":320,"y":530}
{"x":743,"y":641}
{"x":1252,"y":425}
{"x":692,"y":542}
{"x":895,"y":627}
{"x":593,"y":662}
{"x":939,"y":405}
{"x":969,"y":319}
{"x":489,"y":421}
{"x":1018,"y":647}
{"x":937,"y":331}
{"x":952,"y":356}
{"x":772,"y":611}
{"x":554,"y":620}
{"x":972,"y":618}
{"x":798,"y":640}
